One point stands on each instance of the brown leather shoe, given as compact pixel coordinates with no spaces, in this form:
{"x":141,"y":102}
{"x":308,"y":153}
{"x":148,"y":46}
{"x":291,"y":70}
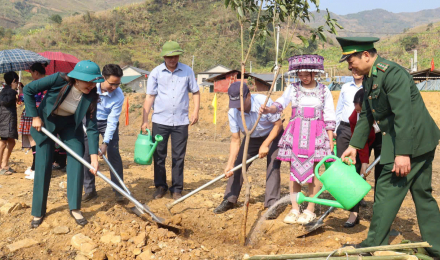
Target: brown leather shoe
{"x":176,"y":195}
{"x":159,"y":193}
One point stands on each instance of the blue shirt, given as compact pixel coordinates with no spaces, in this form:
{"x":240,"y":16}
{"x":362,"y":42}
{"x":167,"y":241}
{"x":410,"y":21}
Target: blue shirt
{"x":345,"y":105}
{"x":171,"y":90}
{"x":109,"y":108}
{"x":265,"y":124}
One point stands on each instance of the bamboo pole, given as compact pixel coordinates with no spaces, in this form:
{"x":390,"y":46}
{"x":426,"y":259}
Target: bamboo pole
{"x":343,"y":251}
{"x":386,"y":257}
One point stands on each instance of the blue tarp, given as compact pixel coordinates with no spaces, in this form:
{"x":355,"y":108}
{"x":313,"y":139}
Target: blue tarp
{"x":430,"y":85}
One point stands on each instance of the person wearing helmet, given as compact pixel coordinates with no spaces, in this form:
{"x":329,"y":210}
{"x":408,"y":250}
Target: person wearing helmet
{"x":68,"y":100}
{"x":168,"y":87}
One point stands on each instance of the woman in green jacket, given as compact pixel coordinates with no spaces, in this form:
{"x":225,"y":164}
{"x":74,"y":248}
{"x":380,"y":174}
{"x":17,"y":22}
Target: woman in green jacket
{"x":68,"y":100}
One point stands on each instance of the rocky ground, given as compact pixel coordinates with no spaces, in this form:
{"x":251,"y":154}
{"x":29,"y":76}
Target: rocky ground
{"x":114,"y":232}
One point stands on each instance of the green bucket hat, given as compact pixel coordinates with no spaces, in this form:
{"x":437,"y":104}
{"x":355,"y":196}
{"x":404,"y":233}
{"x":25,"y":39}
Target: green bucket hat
{"x":88,"y":71}
{"x":171,"y":48}
{"x":351,"y":45}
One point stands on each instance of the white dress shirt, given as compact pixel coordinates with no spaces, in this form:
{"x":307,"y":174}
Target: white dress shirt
{"x":345,"y":105}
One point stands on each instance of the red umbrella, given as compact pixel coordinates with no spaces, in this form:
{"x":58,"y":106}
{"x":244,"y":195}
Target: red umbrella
{"x":59,"y":62}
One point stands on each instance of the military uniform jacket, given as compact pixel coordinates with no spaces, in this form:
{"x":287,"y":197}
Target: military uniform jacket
{"x":394,"y":102}
{"x":53,"y":84}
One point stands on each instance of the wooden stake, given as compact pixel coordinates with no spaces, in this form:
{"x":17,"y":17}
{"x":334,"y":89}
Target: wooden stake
{"x":343,"y":251}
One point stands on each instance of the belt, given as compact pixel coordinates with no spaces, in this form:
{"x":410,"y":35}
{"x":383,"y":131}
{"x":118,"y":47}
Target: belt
{"x":344,"y":123}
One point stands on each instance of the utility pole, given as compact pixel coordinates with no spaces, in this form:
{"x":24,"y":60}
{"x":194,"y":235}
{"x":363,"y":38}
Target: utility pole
{"x":415,"y":61}
{"x":192,"y":64}
{"x":251,"y":67}
{"x":278,"y":44}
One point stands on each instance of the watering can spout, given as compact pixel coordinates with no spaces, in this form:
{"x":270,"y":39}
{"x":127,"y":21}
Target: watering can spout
{"x":331,"y":203}
{"x":158,"y":139}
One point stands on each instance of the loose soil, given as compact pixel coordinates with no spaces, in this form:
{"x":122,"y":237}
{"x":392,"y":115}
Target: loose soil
{"x":203,"y":235}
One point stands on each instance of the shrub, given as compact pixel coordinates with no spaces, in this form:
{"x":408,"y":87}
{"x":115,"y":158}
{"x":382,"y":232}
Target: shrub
{"x":410,"y":42}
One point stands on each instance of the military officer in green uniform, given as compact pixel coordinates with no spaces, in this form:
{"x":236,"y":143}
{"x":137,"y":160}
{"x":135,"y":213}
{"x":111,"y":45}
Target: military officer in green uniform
{"x":410,"y":137}
{"x":69,"y":98}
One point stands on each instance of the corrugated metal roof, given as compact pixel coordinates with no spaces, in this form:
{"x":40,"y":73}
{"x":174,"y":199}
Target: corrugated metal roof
{"x":128,"y":79}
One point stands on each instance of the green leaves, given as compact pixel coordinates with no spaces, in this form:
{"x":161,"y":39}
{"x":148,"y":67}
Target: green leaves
{"x":226,"y":3}
{"x":240,"y":11}
{"x":304,"y":40}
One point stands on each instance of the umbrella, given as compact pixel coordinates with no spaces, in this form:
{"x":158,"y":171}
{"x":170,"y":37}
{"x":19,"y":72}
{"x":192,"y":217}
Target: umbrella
{"x":18,"y":59}
{"x":59,"y":62}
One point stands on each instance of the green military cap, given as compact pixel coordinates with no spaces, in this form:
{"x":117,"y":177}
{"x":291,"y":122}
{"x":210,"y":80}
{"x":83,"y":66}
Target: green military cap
{"x":171,"y":48}
{"x":352,"y":45}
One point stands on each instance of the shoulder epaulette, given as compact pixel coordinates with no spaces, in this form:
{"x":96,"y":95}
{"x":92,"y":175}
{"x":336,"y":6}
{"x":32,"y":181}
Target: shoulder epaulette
{"x":382,"y":66}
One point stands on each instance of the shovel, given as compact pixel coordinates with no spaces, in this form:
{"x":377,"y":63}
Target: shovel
{"x":172,"y":204}
{"x":312,"y":226}
{"x":140,"y":207}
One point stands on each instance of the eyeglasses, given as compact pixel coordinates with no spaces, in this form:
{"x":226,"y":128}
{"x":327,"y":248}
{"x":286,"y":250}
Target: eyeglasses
{"x":114,"y":85}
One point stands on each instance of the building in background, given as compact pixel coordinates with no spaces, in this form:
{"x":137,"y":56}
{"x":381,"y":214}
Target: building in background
{"x":211,"y":72}
{"x":135,"y":79}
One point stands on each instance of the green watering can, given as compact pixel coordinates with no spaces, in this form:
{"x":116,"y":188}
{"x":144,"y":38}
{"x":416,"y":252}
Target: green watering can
{"x":327,"y":164}
{"x":342,"y":182}
{"x":144,"y":148}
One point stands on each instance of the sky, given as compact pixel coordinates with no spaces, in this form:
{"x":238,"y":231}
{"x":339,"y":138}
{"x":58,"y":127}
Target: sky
{"x":342,"y":7}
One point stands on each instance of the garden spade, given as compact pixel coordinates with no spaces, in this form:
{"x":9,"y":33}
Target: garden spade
{"x":312,"y":226}
{"x":139,"y":209}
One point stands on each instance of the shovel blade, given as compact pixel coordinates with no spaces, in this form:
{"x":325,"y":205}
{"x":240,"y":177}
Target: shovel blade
{"x":158,"y":220}
{"x":312,"y":226}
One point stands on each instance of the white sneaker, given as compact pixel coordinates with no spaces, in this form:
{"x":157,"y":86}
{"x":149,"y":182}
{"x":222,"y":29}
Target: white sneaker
{"x":28,"y":171}
{"x":306,"y":217}
{"x":30,"y":176}
{"x":292,"y":217}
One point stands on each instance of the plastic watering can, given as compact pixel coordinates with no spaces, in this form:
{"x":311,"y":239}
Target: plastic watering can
{"x":327,"y":164}
{"x":144,"y":148}
{"x":342,"y":182}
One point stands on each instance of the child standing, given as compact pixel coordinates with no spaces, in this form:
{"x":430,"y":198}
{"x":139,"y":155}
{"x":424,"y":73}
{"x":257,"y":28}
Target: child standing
{"x":8,"y":120}
{"x":309,"y":134}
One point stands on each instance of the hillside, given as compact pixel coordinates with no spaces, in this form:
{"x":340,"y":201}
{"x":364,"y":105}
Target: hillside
{"x":380,"y":21}
{"x":134,"y":34}
{"x":26,"y":14}
{"x":398,"y":48}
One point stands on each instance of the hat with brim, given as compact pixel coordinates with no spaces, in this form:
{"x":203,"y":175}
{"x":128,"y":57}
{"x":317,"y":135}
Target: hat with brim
{"x":234,"y":94}
{"x":171,"y":48}
{"x":87,"y":71}
{"x":352,"y":45}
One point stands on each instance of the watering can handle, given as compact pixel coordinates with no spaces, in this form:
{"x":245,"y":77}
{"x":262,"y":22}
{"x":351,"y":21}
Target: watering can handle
{"x":324,"y":160}
{"x":148,"y":130}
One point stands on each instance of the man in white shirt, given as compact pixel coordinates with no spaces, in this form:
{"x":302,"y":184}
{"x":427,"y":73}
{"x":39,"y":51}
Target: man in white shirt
{"x":264,"y":142}
{"x":344,"y":109}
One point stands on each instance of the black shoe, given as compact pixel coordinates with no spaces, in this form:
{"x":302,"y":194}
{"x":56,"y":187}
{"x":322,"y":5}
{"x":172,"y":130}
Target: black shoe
{"x":89,"y":196}
{"x":159,"y":193}
{"x":275,"y":213}
{"x":351,"y":224}
{"x":37,"y":223}
{"x":119,"y":198}
{"x":223,"y":207}
{"x":176,"y":195}
{"x":82,"y":221}
{"x":362,"y":203}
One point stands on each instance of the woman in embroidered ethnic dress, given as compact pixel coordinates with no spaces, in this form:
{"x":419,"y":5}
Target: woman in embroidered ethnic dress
{"x":309,"y":134}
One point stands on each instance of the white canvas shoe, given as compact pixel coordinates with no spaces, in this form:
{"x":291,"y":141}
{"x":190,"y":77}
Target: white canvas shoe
{"x":306,"y":217}
{"x":31,"y":175}
{"x":28,"y":171}
{"x":292,"y":217}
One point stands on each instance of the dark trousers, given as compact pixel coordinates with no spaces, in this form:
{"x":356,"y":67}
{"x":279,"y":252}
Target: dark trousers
{"x":74,"y":139}
{"x":273,"y":179}
{"x":113,"y":156}
{"x":343,"y":137}
{"x":377,"y":147}
{"x":179,"y":138}
{"x":60,"y":157}
{"x":390,"y":193}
